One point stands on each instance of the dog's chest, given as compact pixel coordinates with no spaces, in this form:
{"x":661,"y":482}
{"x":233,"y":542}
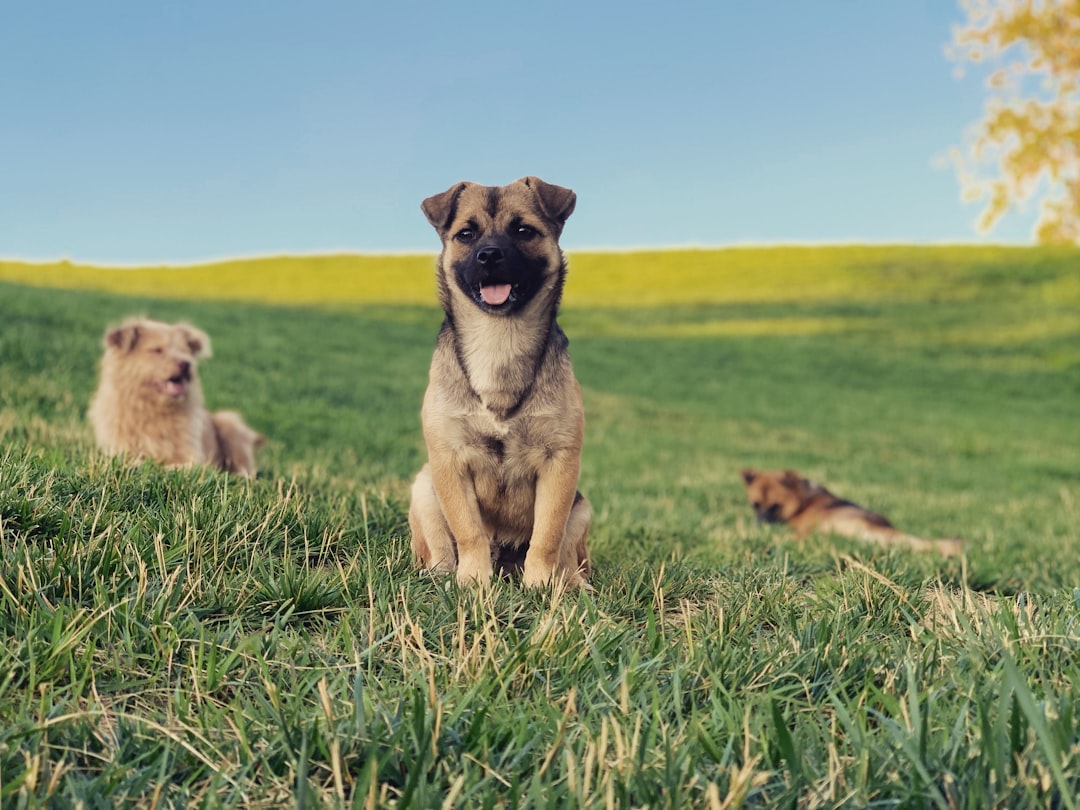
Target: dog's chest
{"x":503,"y":450}
{"x":499,"y":358}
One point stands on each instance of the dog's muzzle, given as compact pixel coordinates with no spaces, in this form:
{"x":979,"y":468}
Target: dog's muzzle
{"x":768,"y":514}
{"x":176,"y":385}
{"x":493,"y":288}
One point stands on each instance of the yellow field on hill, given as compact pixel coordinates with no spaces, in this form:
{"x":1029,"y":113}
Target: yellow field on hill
{"x":613,"y":279}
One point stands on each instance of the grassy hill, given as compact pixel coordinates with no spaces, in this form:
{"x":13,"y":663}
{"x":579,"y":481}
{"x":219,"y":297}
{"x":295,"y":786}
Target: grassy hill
{"x":182,"y":637}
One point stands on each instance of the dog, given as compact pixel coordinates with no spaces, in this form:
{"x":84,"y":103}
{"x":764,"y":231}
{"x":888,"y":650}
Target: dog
{"x":149,"y":401}
{"x":503,"y":418}
{"x":784,"y":496}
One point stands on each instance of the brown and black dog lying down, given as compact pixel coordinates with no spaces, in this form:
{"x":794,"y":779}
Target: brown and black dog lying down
{"x":784,"y":496}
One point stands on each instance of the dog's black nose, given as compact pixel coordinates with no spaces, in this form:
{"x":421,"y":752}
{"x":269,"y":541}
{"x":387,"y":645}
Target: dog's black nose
{"x":185,"y":368}
{"x":489,"y":256}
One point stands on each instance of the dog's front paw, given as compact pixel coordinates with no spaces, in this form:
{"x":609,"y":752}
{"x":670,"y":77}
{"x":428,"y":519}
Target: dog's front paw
{"x":536,"y":574}
{"x":472,"y":572}
{"x":443,"y":566}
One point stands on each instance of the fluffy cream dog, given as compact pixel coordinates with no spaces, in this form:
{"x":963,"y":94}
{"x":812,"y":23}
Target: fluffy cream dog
{"x":149,"y":402}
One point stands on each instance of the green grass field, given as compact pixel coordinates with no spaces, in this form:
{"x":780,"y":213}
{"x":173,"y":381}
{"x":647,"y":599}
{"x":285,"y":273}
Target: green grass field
{"x":179,"y":638}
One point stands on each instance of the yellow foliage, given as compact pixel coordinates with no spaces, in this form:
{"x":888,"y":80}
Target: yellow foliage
{"x":1029,"y":140}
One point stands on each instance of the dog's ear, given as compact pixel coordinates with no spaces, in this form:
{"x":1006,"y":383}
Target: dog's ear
{"x":440,"y":208}
{"x":123,"y":337}
{"x":792,"y":480}
{"x":556,"y":202}
{"x":802,"y":487}
{"x":196,"y":339}
{"x":749,"y":475}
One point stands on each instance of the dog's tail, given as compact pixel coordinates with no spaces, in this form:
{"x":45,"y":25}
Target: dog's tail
{"x":946,"y":547}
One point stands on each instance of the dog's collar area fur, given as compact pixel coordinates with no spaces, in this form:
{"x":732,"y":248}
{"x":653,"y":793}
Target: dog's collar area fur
{"x":527,"y":364}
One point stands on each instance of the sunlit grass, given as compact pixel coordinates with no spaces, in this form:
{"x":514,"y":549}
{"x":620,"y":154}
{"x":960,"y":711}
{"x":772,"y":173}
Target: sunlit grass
{"x":745,"y":327}
{"x":280,"y":280}
{"x":181,"y":638}
{"x":610,"y":279}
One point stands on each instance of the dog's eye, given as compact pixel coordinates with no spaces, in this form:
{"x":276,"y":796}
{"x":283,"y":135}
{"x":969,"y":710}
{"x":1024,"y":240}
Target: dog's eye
{"x":465,"y":235}
{"x":157,"y":350}
{"x":524,"y":232}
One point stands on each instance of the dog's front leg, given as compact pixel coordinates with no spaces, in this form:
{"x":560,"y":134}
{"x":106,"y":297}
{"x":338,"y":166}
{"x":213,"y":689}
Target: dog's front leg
{"x":457,"y":497}
{"x":556,"y":488}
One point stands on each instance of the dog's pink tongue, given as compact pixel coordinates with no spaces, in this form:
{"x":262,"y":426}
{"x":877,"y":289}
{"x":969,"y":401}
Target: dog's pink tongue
{"x":174,"y":389}
{"x":495,"y":294}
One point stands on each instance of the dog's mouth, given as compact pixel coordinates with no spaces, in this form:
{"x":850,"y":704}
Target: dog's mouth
{"x":176,"y":385}
{"x":500,"y":281}
{"x":768,"y":514}
{"x":495,"y":294}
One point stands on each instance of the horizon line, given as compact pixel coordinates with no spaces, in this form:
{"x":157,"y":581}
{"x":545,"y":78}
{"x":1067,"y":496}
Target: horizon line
{"x":329,"y":252}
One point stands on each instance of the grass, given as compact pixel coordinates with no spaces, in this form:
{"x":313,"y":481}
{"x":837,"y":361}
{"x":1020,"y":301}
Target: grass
{"x":183,"y":638}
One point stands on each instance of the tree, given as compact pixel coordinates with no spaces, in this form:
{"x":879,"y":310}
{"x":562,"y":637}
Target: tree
{"x":1029,"y":138}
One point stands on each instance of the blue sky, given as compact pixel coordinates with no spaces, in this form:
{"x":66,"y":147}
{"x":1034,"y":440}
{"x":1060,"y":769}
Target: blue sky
{"x":173,"y":132}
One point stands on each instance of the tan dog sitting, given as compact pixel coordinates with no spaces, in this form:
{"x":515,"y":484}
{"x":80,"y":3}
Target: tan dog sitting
{"x":149,"y":402}
{"x":784,"y":496}
{"x":503,"y":416}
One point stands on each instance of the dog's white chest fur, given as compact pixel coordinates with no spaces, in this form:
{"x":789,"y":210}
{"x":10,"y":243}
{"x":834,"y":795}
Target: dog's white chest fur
{"x":499,"y":358}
